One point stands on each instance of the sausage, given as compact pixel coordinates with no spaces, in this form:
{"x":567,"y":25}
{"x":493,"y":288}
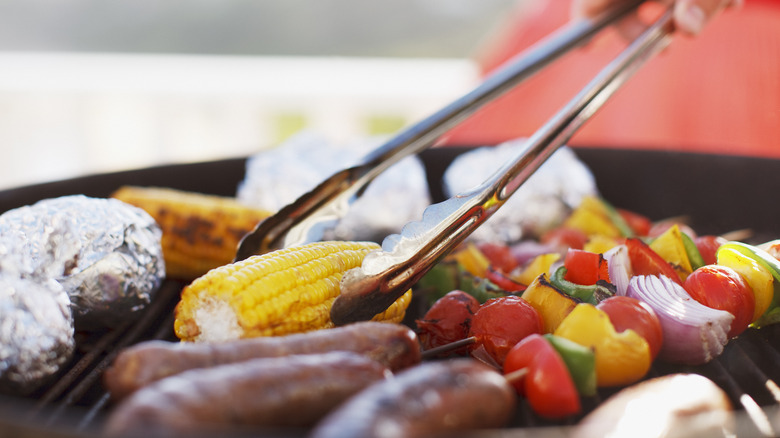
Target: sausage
{"x":291,"y":391}
{"x":394,"y":345}
{"x":434,"y":398}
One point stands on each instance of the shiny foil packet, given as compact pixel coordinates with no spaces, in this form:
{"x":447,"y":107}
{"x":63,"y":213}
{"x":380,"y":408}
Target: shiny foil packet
{"x":105,"y":253}
{"x":540,"y":204}
{"x":278,"y":176}
{"x":36,"y":332}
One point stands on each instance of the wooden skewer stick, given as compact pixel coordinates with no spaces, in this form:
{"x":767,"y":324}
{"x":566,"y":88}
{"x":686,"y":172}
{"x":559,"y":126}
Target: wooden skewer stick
{"x":516,"y":375}
{"x":435,"y":351}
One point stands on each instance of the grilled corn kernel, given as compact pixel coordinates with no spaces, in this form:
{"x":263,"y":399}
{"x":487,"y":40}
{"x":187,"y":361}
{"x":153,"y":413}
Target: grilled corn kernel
{"x":281,"y":292}
{"x":200,"y":232}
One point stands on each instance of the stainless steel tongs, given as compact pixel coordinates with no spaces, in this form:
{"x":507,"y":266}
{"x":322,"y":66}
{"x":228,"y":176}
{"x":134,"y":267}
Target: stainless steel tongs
{"x":406,"y":257}
{"x":298,"y":222}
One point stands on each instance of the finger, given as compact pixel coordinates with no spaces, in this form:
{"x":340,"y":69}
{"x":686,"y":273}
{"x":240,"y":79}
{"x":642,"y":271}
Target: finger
{"x":591,"y":8}
{"x":634,"y":24}
{"x":630,"y":26}
{"x":691,"y":16}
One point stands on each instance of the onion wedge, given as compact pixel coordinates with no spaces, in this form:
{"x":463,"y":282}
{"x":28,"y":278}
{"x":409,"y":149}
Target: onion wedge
{"x":619,"y":265}
{"x":694,"y":334}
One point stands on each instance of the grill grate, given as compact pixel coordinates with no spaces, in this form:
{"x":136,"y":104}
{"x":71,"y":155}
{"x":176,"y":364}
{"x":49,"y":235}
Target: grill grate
{"x":746,"y":371}
{"x":80,"y":386}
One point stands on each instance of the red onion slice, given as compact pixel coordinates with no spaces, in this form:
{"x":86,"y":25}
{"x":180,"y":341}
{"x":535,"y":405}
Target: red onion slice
{"x":694,"y":334}
{"x":619,"y":266}
{"x":526,"y":250}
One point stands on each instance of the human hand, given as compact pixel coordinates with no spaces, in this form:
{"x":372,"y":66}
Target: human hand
{"x":690,"y":16}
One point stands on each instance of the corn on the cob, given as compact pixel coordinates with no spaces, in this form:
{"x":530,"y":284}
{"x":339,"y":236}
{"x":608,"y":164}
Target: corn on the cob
{"x":200,"y":232}
{"x":285,"y":291}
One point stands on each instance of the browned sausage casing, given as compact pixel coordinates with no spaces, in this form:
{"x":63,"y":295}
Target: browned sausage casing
{"x":434,"y":398}
{"x":394,"y":345}
{"x":292,"y":391}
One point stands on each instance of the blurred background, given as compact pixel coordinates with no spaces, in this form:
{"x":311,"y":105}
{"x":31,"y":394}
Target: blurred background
{"x":90,"y":86}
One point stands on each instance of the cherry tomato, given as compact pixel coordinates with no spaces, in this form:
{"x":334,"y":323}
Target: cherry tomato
{"x":645,"y":261}
{"x":547,"y":384}
{"x":584,"y":267}
{"x":722,"y":288}
{"x":564,"y":237}
{"x":499,"y":324}
{"x":629,"y":313}
{"x":640,"y":224}
{"x":499,"y":255}
{"x":708,"y":247}
{"x":448,"y":320}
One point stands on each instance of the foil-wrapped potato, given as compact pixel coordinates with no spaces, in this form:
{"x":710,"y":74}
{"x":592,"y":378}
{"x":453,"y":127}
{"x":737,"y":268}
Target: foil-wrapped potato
{"x":36,"y":332}
{"x":105,"y":253}
{"x":277,"y":177}
{"x":541,"y":203}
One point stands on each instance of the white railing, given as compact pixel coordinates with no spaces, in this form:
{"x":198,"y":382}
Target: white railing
{"x":68,"y":114}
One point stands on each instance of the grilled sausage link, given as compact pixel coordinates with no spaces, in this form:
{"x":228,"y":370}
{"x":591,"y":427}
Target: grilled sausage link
{"x":292,"y":391}
{"x":394,"y":345}
{"x":434,"y":398}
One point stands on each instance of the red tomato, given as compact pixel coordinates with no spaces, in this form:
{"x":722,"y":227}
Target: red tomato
{"x":500,"y":256}
{"x":640,"y":224}
{"x":584,"y":267}
{"x":564,"y":238}
{"x":547,"y":384}
{"x":629,"y":313}
{"x":448,"y":320}
{"x":645,"y":261}
{"x":708,"y":247}
{"x":500,"y":323}
{"x":722,"y":288}
{"x":505,"y":283}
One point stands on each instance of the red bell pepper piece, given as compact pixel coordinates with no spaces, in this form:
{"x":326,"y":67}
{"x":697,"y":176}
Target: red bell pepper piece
{"x":585,"y":267}
{"x":645,"y":261}
{"x":547,"y":384}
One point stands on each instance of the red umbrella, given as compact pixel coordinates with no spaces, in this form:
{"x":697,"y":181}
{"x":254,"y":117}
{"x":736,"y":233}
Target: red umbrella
{"x":716,"y":93}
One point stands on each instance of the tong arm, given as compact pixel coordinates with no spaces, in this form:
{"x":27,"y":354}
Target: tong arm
{"x":404,"y":258}
{"x":297,"y":223}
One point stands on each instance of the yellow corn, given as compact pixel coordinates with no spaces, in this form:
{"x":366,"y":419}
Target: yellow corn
{"x":285,"y":291}
{"x":200,"y":232}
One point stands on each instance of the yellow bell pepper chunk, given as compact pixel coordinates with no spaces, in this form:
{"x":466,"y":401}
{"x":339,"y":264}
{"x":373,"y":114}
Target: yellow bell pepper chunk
{"x":600,"y":244}
{"x":472,"y":260}
{"x":621,"y":358}
{"x":551,"y":304}
{"x":758,"y":277}
{"x":539,"y":265}
{"x":670,"y":247}
{"x":589,"y":219}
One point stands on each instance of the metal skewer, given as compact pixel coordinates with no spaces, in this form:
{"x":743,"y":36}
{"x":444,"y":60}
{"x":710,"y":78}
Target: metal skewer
{"x":406,"y":257}
{"x":300,"y":222}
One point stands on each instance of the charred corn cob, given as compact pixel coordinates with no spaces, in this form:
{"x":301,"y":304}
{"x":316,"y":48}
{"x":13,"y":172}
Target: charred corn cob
{"x":281,"y":292}
{"x":200,"y":232}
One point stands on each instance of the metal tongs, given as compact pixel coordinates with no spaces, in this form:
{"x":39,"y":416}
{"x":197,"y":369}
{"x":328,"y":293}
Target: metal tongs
{"x":385,"y":275}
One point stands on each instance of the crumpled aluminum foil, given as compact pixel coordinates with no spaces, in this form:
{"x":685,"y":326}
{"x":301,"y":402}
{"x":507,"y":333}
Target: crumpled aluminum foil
{"x":105,"y":253}
{"x":540,"y":204}
{"x":36,"y":332}
{"x":278,"y":176}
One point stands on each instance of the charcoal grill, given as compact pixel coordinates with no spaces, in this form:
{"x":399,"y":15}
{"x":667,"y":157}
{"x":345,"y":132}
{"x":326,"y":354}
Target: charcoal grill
{"x":717,"y":193}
